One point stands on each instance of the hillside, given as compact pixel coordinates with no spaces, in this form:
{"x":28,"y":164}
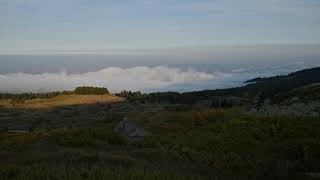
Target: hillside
{"x":272,"y":85}
{"x":61,"y":100}
{"x":262,"y":88}
{"x":80,"y":142}
{"x":304,"y":93}
{"x":203,"y":135}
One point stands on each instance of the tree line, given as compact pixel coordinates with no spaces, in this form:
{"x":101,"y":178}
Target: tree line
{"x":91,"y":90}
{"x":132,"y":95}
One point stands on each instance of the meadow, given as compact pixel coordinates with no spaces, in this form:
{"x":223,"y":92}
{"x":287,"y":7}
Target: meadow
{"x":187,"y":142}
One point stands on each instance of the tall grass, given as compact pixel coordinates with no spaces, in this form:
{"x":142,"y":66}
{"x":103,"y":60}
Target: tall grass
{"x":90,"y":137}
{"x":41,"y":172}
{"x":237,"y":144}
{"x":215,"y":143}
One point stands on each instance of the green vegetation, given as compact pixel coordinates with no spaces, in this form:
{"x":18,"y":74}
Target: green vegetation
{"x":215,"y":143}
{"x":132,"y":96}
{"x":88,"y":137}
{"x":91,"y":90}
{"x":84,"y":172}
{"x":245,"y":146}
{"x":305,"y":93}
{"x":26,"y":96}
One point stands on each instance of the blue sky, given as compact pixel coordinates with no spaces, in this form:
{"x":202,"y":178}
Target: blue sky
{"x":78,"y":25}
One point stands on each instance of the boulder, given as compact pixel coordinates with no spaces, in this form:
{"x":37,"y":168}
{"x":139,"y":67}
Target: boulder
{"x":267,"y":101}
{"x":294,"y":100}
{"x":131,"y":129}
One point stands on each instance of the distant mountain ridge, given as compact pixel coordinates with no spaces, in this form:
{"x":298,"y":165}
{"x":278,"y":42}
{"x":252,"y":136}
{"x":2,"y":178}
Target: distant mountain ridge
{"x":277,"y":84}
{"x":270,"y":86}
{"x":260,"y":87}
{"x":299,"y":74}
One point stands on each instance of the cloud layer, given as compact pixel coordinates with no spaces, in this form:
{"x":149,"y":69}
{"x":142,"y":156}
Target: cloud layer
{"x":115,"y":78}
{"x":144,"y":78}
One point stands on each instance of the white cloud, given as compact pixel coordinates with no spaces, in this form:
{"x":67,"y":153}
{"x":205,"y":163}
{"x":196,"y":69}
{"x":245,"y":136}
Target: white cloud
{"x":116,"y":79}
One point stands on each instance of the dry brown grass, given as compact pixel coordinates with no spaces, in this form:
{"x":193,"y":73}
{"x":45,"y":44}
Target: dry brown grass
{"x":62,"y":100}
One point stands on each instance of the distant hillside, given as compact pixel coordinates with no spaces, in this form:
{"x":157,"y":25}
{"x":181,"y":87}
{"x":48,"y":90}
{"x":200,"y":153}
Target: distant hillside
{"x":262,"y":87}
{"x":284,"y":83}
{"x":305,"y":93}
{"x":270,"y":86}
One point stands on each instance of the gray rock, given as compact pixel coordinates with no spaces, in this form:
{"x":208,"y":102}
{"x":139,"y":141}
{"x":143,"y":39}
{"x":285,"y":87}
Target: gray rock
{"x":294,"y":99}
{"x":313,"y":174}
{"x":310,"y":109}
{"x":131,"y":129}
{"x":18,"y":131}
{"x":267,"y":101}
{"x":253,"y":110}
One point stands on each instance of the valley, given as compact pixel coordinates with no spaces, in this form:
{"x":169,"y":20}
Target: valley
{"x":172,"y":135}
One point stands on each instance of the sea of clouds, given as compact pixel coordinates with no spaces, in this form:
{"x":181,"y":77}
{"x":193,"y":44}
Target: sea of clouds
{"x":174,"y":69}
{"x":143,"y":78}
{"x":115,"y":78}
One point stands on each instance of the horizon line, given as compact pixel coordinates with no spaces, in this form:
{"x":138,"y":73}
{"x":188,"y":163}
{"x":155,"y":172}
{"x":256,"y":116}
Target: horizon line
{"x":143,"y":50}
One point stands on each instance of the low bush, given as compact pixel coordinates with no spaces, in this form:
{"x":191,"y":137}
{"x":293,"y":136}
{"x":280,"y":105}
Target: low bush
{"x":87,"y":137}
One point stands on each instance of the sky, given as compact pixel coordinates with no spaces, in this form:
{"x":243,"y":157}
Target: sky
{"x":76,"y":26}
{"x":153,"y":45}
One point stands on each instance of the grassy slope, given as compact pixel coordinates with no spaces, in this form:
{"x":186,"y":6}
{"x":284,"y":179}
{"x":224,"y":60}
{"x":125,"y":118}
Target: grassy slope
{"x":186,"y":144}
{"x":312,"y":90}
{"x":305,"y":93}
{"x":62,"y":100}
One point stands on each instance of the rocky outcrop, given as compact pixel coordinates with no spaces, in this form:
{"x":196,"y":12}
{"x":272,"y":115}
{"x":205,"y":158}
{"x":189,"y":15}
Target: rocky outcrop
{"x":131,"y":129}
{"x":292,"y":108}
